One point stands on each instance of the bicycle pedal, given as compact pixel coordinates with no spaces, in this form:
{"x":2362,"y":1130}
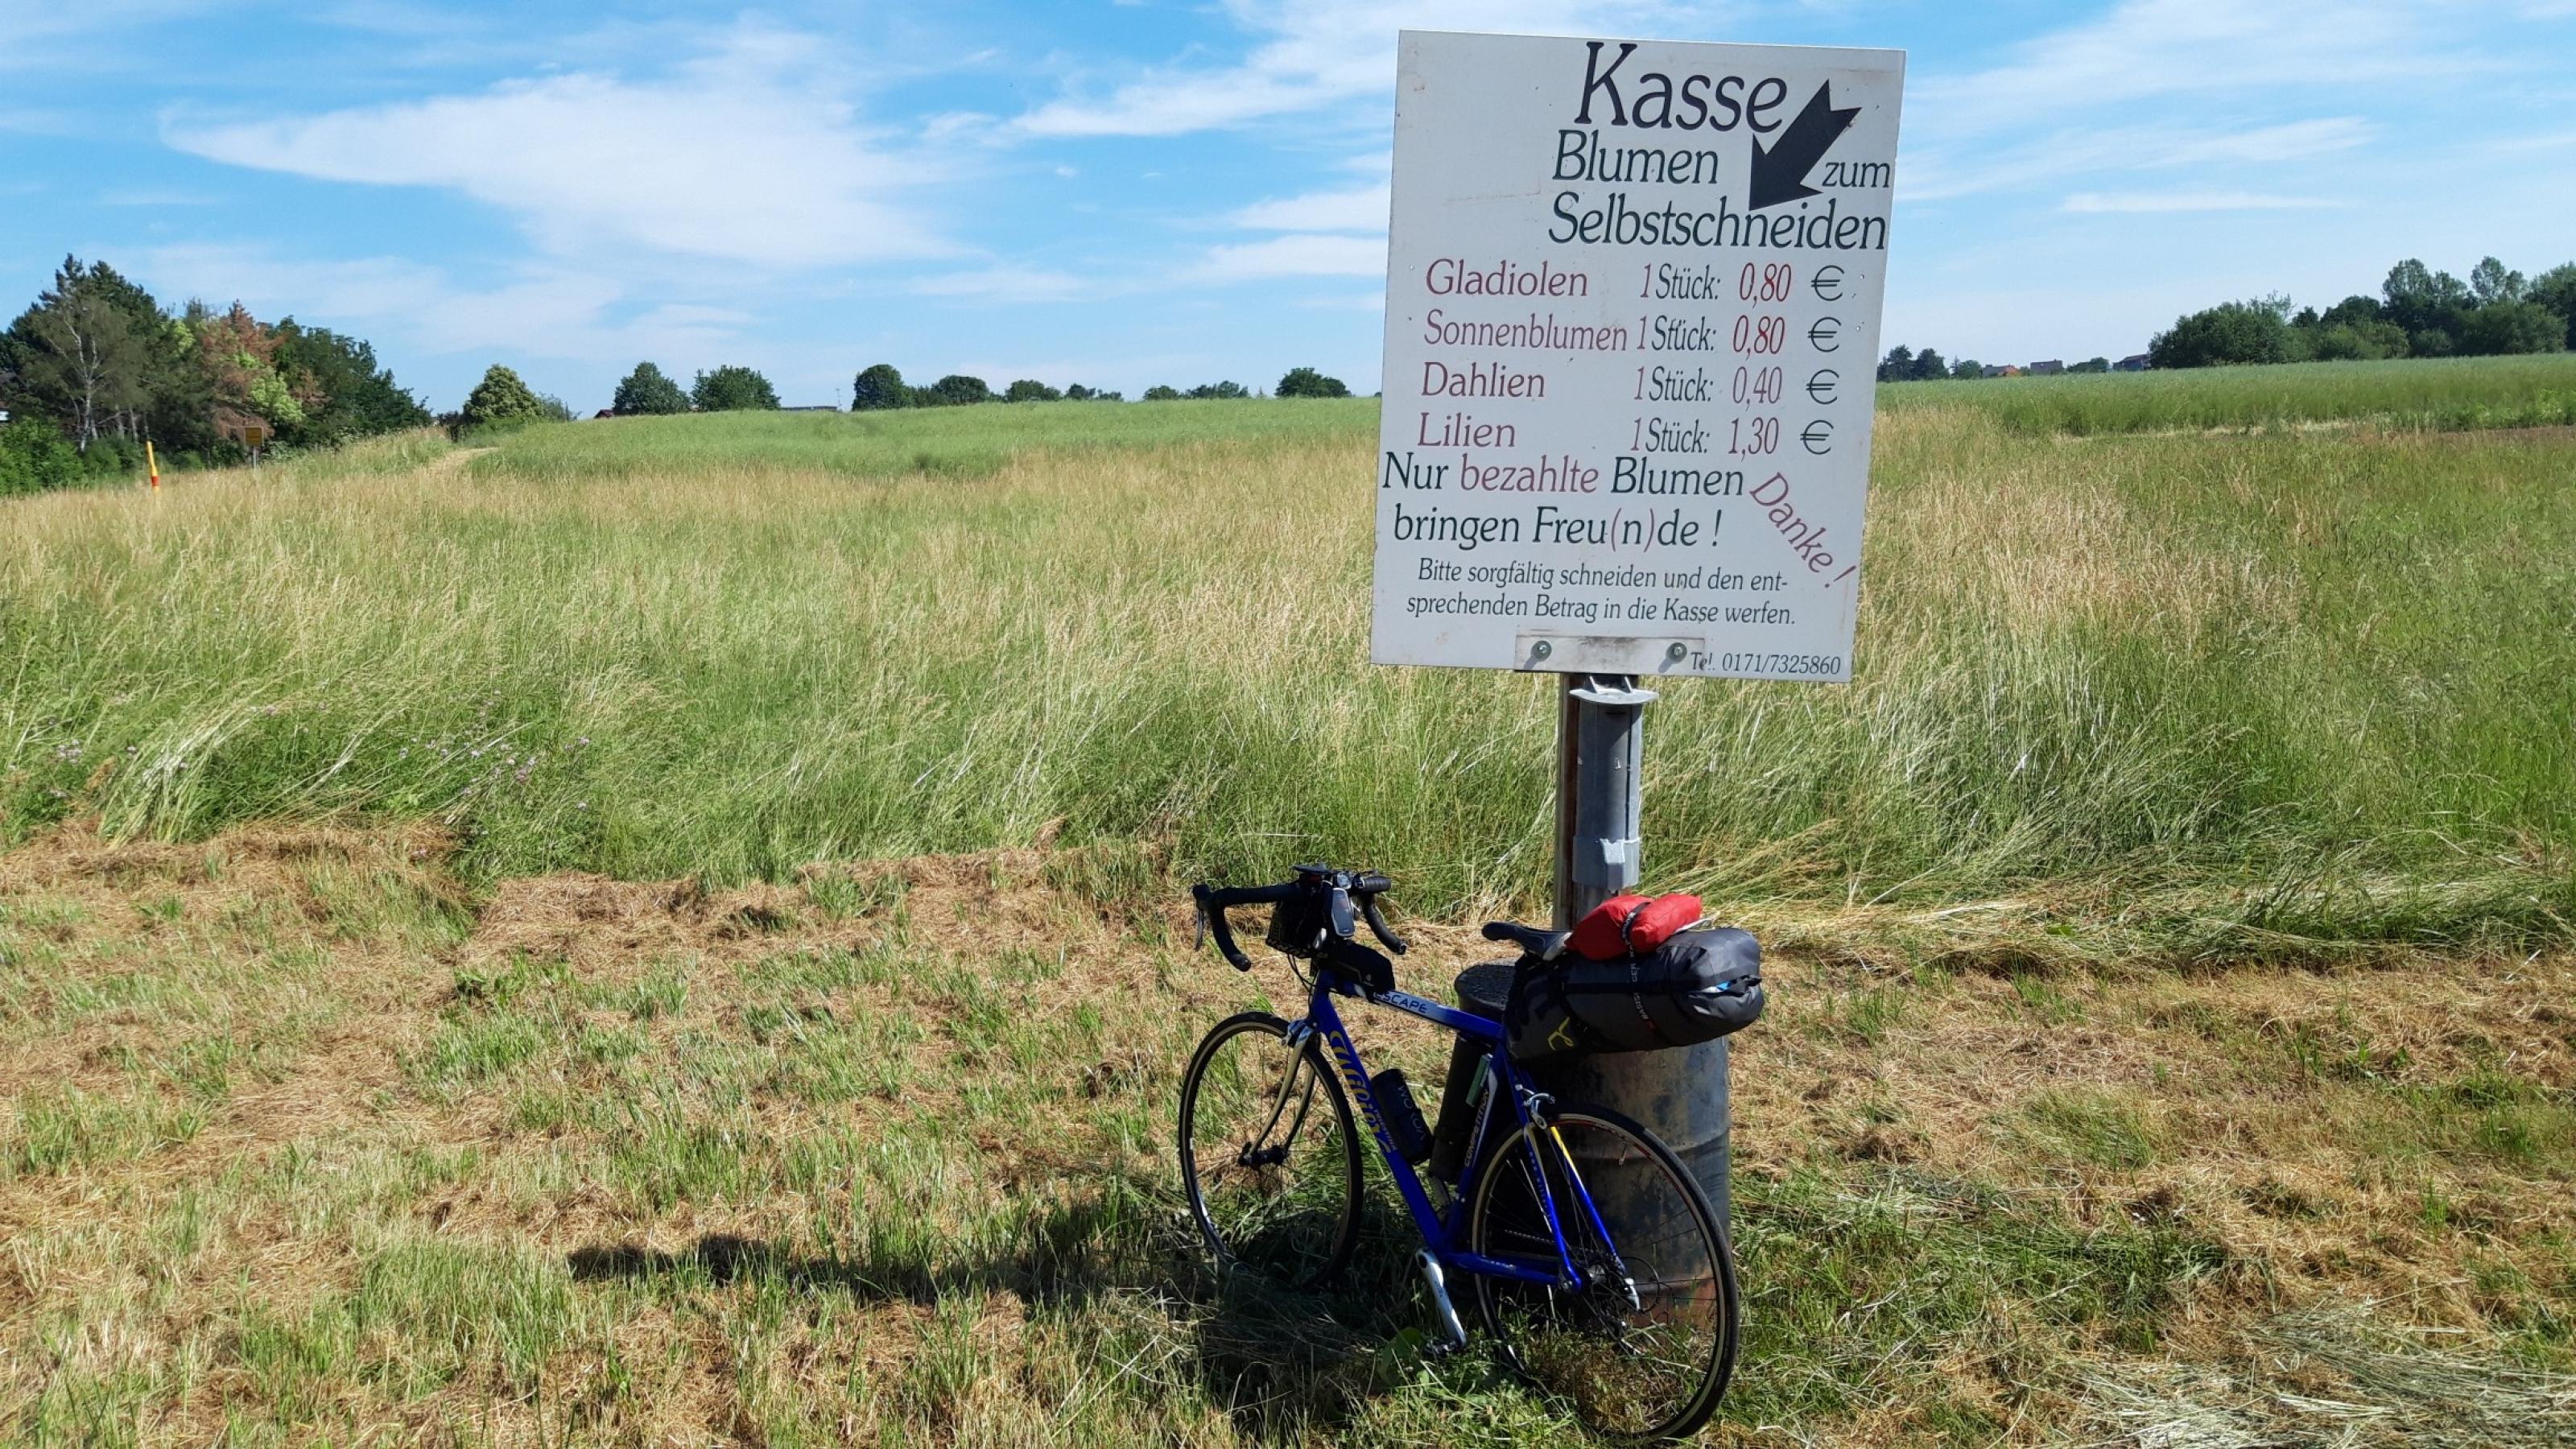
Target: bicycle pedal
{"x":1447,"y":1312}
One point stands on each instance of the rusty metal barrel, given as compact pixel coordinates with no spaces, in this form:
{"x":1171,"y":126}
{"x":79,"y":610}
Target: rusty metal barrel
{"x":1680,"y":1095}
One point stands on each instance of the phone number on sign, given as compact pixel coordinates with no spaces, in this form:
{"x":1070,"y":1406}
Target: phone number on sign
{"x":1780,"y":664}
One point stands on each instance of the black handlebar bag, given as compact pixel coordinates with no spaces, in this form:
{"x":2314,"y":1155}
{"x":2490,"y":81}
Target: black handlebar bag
{"x":1696,"y":987}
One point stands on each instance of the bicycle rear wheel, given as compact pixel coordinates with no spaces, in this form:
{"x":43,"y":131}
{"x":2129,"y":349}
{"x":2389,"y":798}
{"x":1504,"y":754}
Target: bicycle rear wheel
{"x":1645,"y":1349}
{"x":1267,"y":1153}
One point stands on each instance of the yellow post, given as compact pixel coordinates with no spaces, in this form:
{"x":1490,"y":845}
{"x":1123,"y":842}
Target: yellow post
{"x":152,"y":463}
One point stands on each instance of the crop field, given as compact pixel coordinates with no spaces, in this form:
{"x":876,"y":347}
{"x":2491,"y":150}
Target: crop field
{"x":2424,"y":394}
{"x":667,"y":930}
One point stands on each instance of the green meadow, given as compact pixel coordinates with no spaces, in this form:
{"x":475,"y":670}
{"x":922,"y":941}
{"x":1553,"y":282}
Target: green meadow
{"x":2267,"y":690}
{"x":2416,"y":394}
{"x":666,"y":930}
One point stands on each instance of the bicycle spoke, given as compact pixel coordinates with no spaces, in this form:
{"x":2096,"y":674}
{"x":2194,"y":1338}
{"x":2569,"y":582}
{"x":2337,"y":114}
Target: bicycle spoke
{"x":1643,"y":1346}
{"x":1267,"y":1153}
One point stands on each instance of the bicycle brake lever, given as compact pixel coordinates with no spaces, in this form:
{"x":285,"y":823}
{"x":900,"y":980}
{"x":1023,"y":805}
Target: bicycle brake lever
{"x":1198,"y":914}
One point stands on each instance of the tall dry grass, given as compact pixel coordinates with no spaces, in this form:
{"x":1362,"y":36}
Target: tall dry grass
{"x":2189,"y":694}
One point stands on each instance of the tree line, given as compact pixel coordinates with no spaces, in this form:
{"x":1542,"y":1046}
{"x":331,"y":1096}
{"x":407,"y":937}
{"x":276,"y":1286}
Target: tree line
{"x":648,"y":391}
{"x":97,"y":367}
{"x":881,"y":387}
{"x":2419,"y":312}
{"x":1904,"y":364}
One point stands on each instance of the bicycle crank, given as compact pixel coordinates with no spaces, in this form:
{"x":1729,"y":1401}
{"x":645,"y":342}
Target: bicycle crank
{"x":1440,"y":1305}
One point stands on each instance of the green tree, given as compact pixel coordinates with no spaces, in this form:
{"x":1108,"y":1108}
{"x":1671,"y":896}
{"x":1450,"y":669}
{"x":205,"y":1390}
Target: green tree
{"x":1162,"y":392}
{"x":136,"y":380}
{"x":878,"y":388}
{"x":647,"y":392}
{"x":2510,"y":327}
{"x":81,"y":355}
{"x":2555,"y":289}
{"x":1928,"y":366}
{"x":732,"y":389}
{"x":1967,"y":367}
{"x":1307,"y":382}
{"x":2419,"y":299}
{"x":340,"y":390}
{"x":1898,"y":365}
{"x":34,"y":457}
{"x":2490,"y":283}
{"x":1029,"y":389}
{"x":2364,"y":341}
{"x":1220,"y":389}
{"x":958,"y":390}
{"x":499,"y":400}
{"x":2229,"y":334}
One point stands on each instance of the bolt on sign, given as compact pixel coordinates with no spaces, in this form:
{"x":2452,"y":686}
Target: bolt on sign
{"x":1632,"y":311}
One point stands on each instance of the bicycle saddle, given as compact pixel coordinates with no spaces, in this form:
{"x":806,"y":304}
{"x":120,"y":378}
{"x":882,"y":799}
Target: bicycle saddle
{"x":1536,"y":943}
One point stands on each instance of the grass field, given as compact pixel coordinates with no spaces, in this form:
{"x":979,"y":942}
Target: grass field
{"x":2255,"y":689}
{"x":2425,"y":394}
{"x":662,"y":931}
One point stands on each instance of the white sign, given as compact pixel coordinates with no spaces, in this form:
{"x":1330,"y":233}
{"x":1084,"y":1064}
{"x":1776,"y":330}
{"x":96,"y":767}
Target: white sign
{"x":1632,"y":303}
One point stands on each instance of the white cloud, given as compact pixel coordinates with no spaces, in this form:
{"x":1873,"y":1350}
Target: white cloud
{"x":1348,"y":302}
{"x":40,"y":123}
{"x":1316,"y":53}
{"x":2292,"y":141}
{"x":751,"y":154}
{"x":2149,"y":48}
{"x":547,"y":311}
{"x":1362,"y":209}
{"x":71,"y":37}
{"x":1294,"y":256}
{"x":153,"y":198}
{"x":1941,"y":175}
{"x":2139,"y":203}
{"x":1011,"y":284}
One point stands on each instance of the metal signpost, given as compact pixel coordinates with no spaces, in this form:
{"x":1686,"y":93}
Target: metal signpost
{"x":1632,"y":312}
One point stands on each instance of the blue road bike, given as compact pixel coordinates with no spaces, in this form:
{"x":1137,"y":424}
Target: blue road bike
{"x":1632,"y":1328}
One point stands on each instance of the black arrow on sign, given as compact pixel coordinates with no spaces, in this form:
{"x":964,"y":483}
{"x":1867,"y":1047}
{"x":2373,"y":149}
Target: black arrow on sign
{"x":1780,"y":170}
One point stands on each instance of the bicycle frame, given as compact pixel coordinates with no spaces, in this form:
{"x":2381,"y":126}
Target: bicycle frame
{"x":1443,"y":1234}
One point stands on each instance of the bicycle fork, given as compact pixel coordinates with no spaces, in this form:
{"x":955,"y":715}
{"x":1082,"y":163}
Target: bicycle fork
{"x":1299,"y":1068}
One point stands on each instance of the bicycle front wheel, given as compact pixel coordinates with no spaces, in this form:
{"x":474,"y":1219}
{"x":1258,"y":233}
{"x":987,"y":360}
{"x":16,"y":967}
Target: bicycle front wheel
{"x":1267,"y":1153}
{"x":1644,"y":1349}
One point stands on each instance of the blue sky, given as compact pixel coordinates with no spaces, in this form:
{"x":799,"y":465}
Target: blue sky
{"x":1131,"y":193}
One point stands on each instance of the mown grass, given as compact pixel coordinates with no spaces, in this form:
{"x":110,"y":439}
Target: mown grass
{"x":2427,"y":394}
{"x":620,"y":1164}
{"x":2201,"y":695}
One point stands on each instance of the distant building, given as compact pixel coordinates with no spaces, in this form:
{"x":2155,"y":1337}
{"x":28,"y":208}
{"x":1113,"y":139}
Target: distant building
{"x":2134,"y":362}
{"x":604,"y":413}
{"x":2049,"y":368}
{"x":2006,"y":371}
{"x":815,"y":408}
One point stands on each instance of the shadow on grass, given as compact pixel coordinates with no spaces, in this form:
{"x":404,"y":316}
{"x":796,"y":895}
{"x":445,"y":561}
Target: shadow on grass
{"x":1285,"y":1366}
{"x":1861,"y":1289}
